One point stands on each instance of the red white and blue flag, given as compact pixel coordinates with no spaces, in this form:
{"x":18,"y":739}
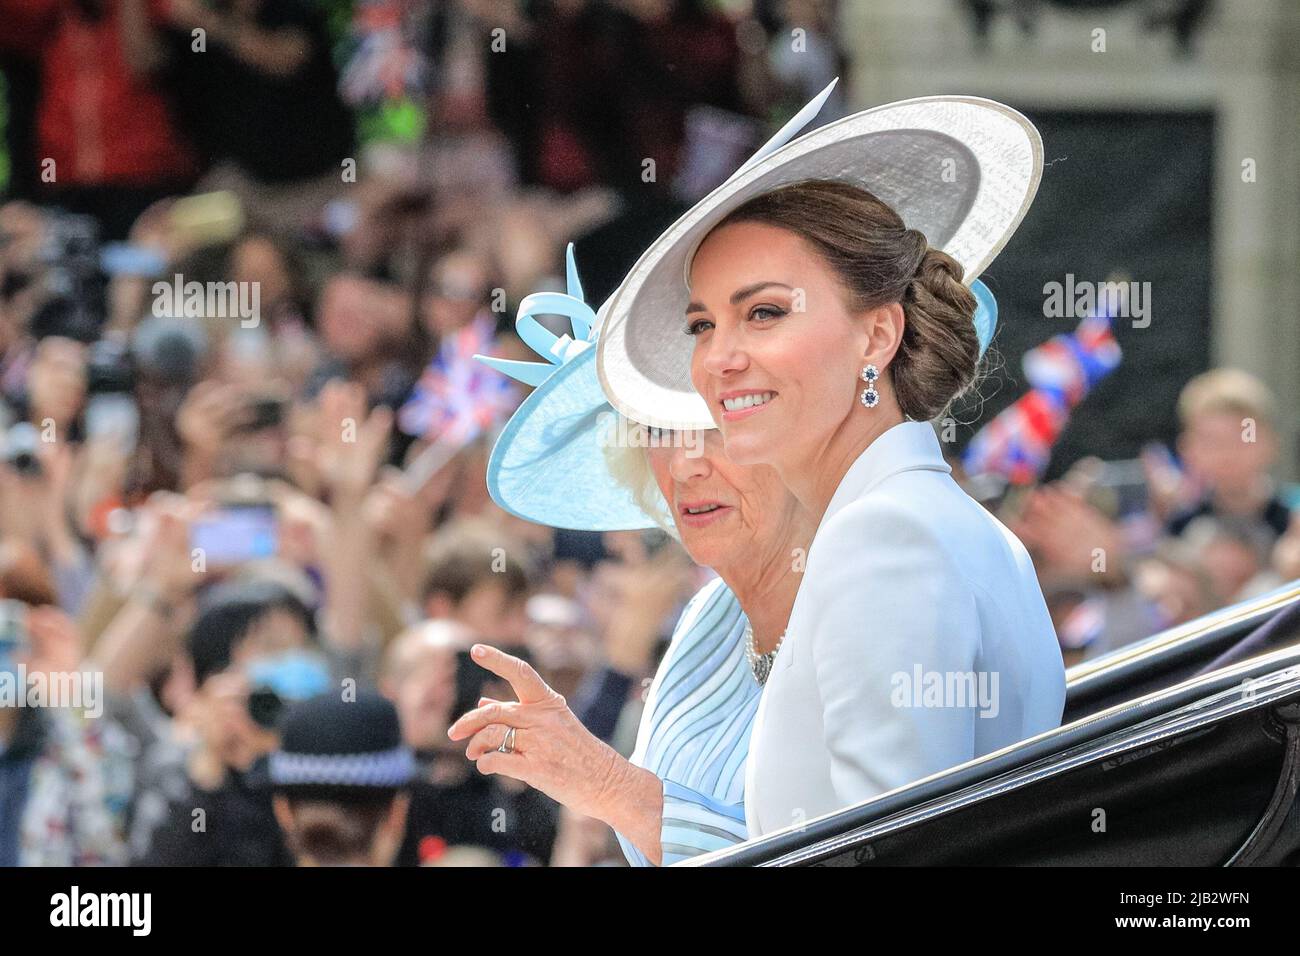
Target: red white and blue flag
{"x":457,"y":399}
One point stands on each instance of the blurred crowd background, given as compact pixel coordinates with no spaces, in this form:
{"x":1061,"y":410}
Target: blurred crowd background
{"x":228,"y":504}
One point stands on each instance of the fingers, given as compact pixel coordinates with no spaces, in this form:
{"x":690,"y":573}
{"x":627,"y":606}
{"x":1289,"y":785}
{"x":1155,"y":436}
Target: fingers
{"x":341,"y":399}
{"x":524,"y":681}
{"x":378,"y":423}
{"x":497,"y":712}
{"x":491,"y":738}
{"x":510,"y":765}
{"x":55,"y":640}
{"x":48,"y":623}
{"x":375,"y":431}
{"x":48,"y":618}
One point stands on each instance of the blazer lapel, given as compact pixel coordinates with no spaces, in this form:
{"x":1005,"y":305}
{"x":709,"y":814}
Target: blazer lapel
{"x":908,"y":446}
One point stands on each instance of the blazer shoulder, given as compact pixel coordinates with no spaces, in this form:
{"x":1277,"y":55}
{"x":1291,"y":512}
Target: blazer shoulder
{"x":875,"y":525}
{"x":887,"y":585}
{"x":894,"y":538}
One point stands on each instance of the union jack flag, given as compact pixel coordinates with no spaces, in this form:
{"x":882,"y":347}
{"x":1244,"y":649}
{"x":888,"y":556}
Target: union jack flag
{"x":457,"y":399}
{"x":1017,"y":443}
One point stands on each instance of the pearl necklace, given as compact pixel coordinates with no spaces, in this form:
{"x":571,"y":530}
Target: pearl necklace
{"x":760,"y":664}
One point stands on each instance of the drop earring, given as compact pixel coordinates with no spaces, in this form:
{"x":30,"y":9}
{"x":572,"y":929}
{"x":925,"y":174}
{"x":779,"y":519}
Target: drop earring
{"x":870,"y":397}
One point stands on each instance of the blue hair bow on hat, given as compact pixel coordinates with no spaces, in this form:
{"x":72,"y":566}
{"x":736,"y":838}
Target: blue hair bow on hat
{"x":550,"y":463}
{"x":557,"y":349}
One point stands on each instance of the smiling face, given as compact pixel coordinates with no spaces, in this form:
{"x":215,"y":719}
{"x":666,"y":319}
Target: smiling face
{"x":777,"y":349}
{"x":725,"y":513}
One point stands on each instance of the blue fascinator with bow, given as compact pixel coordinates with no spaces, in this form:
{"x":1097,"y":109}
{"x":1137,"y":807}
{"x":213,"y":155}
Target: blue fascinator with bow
{"x":550,"y":464}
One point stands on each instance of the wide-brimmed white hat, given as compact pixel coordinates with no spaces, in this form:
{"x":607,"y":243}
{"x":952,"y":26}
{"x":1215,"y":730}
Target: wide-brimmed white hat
{"x":961,"y":169}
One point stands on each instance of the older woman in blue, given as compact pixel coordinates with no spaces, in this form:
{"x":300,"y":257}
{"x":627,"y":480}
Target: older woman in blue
{"x":682,"y":792}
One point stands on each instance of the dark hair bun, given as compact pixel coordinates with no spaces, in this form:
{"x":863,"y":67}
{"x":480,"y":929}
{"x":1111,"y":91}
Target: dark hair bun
{"x":940,"y":352}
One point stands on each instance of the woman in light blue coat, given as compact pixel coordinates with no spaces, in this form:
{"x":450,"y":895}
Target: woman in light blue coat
{"x":820,"y":309}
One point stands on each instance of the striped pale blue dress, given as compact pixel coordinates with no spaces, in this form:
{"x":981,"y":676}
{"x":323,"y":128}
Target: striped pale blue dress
{"x":694,"y":733}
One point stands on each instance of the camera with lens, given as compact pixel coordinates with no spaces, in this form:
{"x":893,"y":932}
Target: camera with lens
{"x":20,"y":443}
{"x":283,"y":679}
{"x":73,"y":285}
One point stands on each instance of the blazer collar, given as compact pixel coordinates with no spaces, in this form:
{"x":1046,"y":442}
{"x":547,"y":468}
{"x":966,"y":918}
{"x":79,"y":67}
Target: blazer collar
{"x":908,"y":446}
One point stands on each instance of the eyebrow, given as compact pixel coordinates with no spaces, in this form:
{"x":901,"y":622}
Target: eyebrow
{"x":739,"y":295}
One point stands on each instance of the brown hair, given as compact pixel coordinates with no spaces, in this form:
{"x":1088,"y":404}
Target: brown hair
{"x":24,"y":576}
{"x":879,"y":260}
{"x":335,"y":833}
{"x":462,"y":556}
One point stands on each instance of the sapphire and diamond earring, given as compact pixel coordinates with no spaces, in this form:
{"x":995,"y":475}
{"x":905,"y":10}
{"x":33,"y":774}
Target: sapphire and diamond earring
{"x":870,"y":397}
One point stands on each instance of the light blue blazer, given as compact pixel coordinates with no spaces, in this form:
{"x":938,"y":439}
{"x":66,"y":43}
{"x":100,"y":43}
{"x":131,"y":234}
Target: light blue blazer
{"x":919,"y":640}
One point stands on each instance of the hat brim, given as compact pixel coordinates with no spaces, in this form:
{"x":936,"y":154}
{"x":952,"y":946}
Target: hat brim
{"x":963,"y":170}
{"x":549,"y":464}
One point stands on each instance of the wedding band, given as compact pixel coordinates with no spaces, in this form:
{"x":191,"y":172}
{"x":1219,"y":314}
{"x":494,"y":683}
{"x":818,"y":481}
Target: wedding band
{"x":508,"y":744}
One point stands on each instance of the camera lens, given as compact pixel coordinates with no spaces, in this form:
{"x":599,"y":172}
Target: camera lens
{"x":265,"y":707}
